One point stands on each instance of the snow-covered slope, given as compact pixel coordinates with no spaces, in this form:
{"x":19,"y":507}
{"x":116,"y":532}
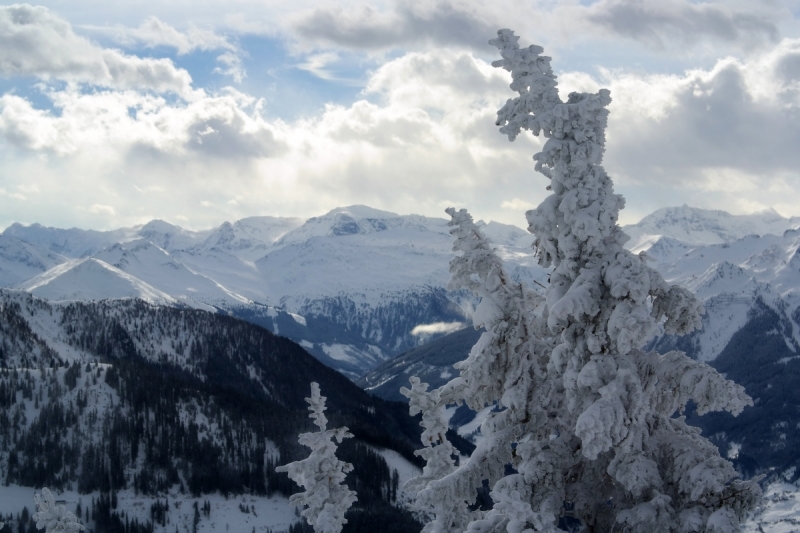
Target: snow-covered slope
{"x":779,"y":512}
{"x":157,"y":409}
{"x":702,"y":226}
{"x":146,"y":261}
{"x":72,"y":243}
{"x":378,"y":273}
{"x":165,"y":235}
{"x":20,"y":260}
{"x":92,"y":279}
{"x":734,"y":264}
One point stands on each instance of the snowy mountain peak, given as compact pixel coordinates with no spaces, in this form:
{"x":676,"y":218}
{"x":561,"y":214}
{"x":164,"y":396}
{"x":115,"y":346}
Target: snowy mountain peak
{"x":723,"y":278}
{"x":222,"y":237}
{"x":702,"y":226}
{"x":247,"y":239}
{"x":168,"y":236}
{"x":140,"y":250}
{"x":158,"y":226}
{"x":359,"y":212}
{"x":345,"y":225}
{"x":768,"y":214}
{"x":507,"y":235}
{"x":72,"y":243}
{"x":92,"y":279}
{"x":20,"y":260}
{"x":663,"y":249}
{"x":342,"y":221}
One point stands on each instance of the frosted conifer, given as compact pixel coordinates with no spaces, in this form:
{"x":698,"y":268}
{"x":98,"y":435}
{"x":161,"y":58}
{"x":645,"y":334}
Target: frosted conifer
{"x":53,"y":518}
{"x":321,"y":473}
{"x":450,"y":511}
{"x":586,"y":418}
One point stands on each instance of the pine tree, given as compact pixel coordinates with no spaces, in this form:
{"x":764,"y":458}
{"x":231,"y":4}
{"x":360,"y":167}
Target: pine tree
{"x":321,"y":473}
{"x":54,"y":518}
{"x":586,"y":418}
{"x":449,"y":510}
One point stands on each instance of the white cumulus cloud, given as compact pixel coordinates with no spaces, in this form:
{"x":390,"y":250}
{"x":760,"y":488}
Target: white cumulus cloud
{"x":155,"y":32}
{"x":36,"y":42}
{"x":99,"y":209}
{"x":422,"y":131}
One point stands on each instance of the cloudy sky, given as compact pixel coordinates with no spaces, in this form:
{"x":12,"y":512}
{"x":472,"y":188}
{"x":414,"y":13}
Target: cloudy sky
{"x":113,"y":113}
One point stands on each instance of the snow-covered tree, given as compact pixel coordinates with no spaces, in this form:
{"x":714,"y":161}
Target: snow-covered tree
{"x":449,"y":510}
{"x":53,"y":518}
{"x":586,"y":418}
{"x":321,"y":473}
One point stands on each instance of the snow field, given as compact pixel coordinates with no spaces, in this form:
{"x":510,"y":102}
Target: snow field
{"x":227,"y":515}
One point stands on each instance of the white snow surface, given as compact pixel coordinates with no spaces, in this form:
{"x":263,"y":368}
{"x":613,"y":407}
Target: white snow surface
{"x":779,"y":512}
{"x":146,"y":261}
{"x":92,"y":279}
{"x":20,"y":260}
{"x":273,"y":513}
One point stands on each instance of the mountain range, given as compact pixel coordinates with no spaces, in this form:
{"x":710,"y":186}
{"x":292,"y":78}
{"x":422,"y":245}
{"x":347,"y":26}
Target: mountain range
{"x":354,"y":288}
{"x":351,"y":285}
{"x":357,"y":285}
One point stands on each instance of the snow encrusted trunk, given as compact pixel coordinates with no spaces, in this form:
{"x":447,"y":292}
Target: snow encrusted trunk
{"x":321,"y":473}
{"x":587,"y":420}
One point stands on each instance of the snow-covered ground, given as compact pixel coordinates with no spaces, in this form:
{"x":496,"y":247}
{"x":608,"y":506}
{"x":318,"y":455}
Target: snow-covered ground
{"x":780,"y":512}
{"x":227,"y":514}
{"x":405,"y":471}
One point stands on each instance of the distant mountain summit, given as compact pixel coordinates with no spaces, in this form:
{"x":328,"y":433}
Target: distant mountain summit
{"x":20,"y":260}
{"x":92,"y":279}
{"x":695,"y":226}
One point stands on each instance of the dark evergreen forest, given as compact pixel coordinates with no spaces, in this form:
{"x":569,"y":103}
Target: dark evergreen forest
{"x":204,"y":402}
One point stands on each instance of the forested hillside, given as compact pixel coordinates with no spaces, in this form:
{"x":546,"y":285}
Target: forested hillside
{"x":100,"y":398}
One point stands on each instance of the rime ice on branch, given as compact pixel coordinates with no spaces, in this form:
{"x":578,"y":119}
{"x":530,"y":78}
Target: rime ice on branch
{"x":449,"y":509}
{"x":321,"y":473}
{"x":53,"y":518}
{"x":586,"y":418}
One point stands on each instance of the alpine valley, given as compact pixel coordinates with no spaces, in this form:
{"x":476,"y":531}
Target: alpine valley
{"x":156,"y":375}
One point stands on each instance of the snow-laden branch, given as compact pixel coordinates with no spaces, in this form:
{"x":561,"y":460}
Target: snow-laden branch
{"x":322,"y":475}
{"x":583,"y":415}
{"x":448,"y":508}
{"x":53,"y":518}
